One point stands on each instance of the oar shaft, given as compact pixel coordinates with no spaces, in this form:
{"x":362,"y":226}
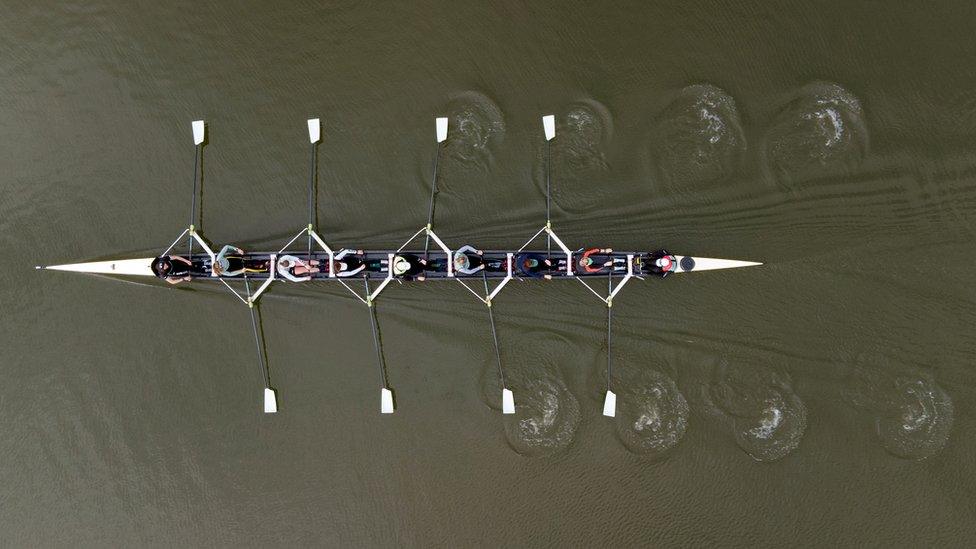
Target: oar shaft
{"x":311,"y":199}
{"x":548,"y":200}
{"x":258,"y":337}
{"x":609,"y":350}
{"x":494,"y":335}
{"x":373,"y":324}
{"x":311,"y":185}
{"x":430,"y":203}
{"x":193,"y":197}
{"x":609,"y":331}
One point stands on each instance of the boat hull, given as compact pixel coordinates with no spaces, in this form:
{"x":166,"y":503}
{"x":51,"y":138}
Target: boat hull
{"x":125,"y":267}
{"x":496,"y":261}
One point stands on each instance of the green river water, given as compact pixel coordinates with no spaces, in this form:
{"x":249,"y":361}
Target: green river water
{"x":826,"y":398}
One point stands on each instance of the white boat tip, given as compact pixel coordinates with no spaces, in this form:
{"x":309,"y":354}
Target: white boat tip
{"x":199,"y":130}
{"x":687,"y":264}
{"x":129,"y":267}
{"x":314,"y":130}
{"x":549,"y":125}
{"x":441,"y":124}
{"x":610,"y":404}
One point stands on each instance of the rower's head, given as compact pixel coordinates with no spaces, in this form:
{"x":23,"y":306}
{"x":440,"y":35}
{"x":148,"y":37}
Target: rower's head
{"x":461,"y":261}
{"x":400,"y":265}
{"x":162,"y":266}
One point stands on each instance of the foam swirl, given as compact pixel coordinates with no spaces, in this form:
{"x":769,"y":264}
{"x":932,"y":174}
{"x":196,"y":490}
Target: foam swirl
{"x":698,"y":138}
{"x":913,"y":415}
{"x":766,"y":417}
{"x":547,"y":414}
{"x":820,"y":131}
{"x":476,"y":126}
{"x":652,"y":414}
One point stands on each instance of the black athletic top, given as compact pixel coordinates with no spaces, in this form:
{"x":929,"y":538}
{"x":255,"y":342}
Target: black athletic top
{"x":416,"y":267}
{"x":532,"y":265}
{"x":178,"y":269}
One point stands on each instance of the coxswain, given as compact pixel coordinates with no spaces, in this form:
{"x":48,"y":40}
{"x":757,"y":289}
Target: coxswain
{"x":172,"y":268}
{"x":348,"y":262}
{"x":468,"y":260}
{"x":229,"y":262}
{"x":589,"y":265}
{"x":295,"y":269}
{"x":663,"y":263}
{"x":408,"y":266}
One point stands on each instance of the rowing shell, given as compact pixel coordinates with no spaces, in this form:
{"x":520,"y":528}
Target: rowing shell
{"x":501,"y":266}
{"x":142,"y":266}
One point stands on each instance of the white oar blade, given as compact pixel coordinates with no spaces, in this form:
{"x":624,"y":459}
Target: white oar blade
{"x":131,"y":267}
{"x":549,"y":124}
{"x":386,"y":401}
{"x":314,"y":130}
{"x":441,"y":124}
{"x":508,"y":402}
{"x":199,"y":131}
{"x":270,"y":401}
{"x":687,"y":264}
{"x":610,"y":404}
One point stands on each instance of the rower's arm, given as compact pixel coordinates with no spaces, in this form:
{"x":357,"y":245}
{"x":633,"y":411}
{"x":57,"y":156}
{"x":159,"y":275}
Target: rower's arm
{"x":357,"y":270}
{"x":286,"y":274}
{"x":344,"y":252}
{"x":228,"y":248}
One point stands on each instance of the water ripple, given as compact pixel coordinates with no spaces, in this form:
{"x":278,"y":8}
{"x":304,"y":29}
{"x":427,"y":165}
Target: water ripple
{"x":698,"y":138}
{"x":766,"y":417}
{"x":547,"y":414}
{"x":476,"y":126}
{"x":652,"y":414}
{"x":579,"y":164}
{"x":822,"y":129}
{"x":583,"y":135}
{"x":546,"y":417}
{"x":913,"y":415}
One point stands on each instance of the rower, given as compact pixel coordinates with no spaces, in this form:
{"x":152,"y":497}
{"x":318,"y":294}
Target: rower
{"x":409,"y":266}
{"x":533,"y":265}
{"x":589,"y":265}
{"x":348,"y":262}
{"x":295,"y":269}
{"x":229,"y":262}
{"x":662,"y":263}
{"x":172,"y":268}
{"x":468,"y":260}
